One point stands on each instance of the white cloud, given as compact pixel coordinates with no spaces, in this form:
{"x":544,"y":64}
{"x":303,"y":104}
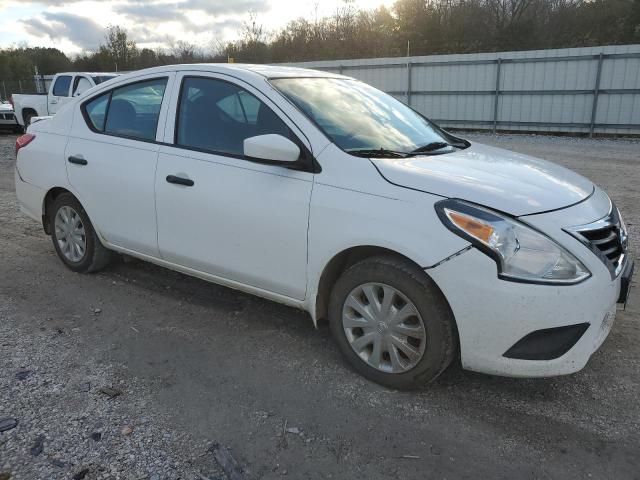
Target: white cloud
{"x":80,"y":24}
{"x":78,"y":30}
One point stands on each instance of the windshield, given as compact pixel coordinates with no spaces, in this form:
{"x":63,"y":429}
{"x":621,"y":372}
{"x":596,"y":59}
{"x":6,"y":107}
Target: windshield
{"x":98,"y":79}
{"x":361,"y":119}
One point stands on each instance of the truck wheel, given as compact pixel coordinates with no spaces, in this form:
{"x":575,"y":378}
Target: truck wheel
{"x":27,"y":119}
{"x":392,"y":323}
{"x":74,"y":238}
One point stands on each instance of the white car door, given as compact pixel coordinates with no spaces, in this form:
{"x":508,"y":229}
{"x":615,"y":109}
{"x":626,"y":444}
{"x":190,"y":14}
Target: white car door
{"x":59,"y":93}
{"x":218,"y":212}
{"x":111,"y":160}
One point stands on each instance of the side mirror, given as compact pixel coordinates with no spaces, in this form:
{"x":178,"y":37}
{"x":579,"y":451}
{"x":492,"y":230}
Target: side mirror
{"x":272,"y":147}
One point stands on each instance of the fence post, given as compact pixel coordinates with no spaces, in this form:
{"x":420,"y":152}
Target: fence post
{"x":20,"y":85}
{"x":4,"y":87}
{"x":409,"y":83}
{"x":596,"y":92}
{"x":497,"y":96}
{"x":340,"y":69}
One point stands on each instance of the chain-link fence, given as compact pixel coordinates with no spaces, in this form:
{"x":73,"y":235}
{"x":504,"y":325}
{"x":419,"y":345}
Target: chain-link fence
{"x":10,"y":86}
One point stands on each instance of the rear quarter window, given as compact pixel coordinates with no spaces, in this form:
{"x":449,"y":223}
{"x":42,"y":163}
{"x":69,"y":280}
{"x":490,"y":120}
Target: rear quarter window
{"x":96,"y":111}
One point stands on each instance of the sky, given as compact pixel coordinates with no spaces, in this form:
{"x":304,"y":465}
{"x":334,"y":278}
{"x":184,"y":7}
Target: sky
{"x":74,"y":26}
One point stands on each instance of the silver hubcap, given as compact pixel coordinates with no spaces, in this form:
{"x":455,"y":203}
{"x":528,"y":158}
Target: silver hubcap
{"x":384,"y":327}
{"x":70,"y":234}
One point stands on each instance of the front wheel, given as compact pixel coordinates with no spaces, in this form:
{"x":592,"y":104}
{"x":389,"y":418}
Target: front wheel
{"x":74,"y":238}
{"x":392,"y":323}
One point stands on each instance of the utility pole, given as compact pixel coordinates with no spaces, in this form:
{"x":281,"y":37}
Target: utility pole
{"x":39,"y":88}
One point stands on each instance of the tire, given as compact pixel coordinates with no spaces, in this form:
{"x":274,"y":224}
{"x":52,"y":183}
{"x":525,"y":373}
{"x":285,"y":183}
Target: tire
{"x":412,"y":286}
{"x":94,"y":256}
{"x":27,"y":119}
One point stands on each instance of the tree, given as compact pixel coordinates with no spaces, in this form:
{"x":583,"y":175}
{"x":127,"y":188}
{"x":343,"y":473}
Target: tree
{"x":184,"y":52}
{"x":428,"y":26}
{"x":119,"y":49}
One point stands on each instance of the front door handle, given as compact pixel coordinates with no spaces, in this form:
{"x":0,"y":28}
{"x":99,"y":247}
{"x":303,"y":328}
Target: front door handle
{"x":77,"y":160}
{"x":187,"y":182}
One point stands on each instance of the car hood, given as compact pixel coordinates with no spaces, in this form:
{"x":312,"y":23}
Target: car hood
{"x":507,"y":181}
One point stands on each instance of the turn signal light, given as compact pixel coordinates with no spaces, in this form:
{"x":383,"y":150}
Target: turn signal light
{"x":23,"y":141}
{"x":472,"y":226}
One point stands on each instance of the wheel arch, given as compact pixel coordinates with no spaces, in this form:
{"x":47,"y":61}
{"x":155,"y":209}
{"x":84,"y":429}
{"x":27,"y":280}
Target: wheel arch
{"x":48,"y":200}
{"x":338,"y":264}
{"x":350,"y":256}
{"x":27,"y":110}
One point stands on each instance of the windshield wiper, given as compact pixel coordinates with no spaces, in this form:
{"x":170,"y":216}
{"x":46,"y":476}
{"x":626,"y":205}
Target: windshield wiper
{"x":377,"y":153}
{"x":430,"y":147}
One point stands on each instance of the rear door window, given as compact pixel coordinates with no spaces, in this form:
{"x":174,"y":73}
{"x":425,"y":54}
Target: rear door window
{"x":130,"y":111}
{"x":61,"y":87}
{"x":134,"y":109}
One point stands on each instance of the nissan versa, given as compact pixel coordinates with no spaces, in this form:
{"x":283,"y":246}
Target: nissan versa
{"x":320,"y":192}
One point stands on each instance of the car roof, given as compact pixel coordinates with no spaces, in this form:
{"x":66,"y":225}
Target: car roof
{"x":91,"y":74}
{"x":239,"y":70}
{"x":276,"y":71}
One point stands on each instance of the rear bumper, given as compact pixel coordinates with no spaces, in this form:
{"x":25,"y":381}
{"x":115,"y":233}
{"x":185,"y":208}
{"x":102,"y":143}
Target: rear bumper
{"x":30,"y":197}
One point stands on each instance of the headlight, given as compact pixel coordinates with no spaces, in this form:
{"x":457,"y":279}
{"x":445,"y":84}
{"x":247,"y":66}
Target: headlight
{"x":522,"y":253}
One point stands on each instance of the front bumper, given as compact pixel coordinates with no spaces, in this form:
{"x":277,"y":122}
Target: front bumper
{"x":493,"y":315}
{"x":8,"y":124}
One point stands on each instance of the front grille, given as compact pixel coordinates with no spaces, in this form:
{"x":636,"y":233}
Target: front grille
{"x":607,"y":241}
{"x":607,"y":238}
{"x":6,"y":116}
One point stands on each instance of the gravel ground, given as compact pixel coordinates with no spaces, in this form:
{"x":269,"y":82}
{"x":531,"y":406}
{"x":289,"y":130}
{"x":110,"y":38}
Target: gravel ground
{"x":193,"y":365}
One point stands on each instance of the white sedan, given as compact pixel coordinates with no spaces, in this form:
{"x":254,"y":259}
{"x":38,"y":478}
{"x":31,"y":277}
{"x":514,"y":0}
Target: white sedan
{"x":320,"y":192}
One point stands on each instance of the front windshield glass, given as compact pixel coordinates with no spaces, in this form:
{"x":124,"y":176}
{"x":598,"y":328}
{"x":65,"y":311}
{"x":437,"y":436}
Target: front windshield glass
{"x":359,"y":118}
{"x":98,"y":79}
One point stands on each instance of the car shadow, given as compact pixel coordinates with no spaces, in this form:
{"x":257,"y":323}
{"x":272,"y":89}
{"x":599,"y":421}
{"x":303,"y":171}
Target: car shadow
{"x":298,"y":324}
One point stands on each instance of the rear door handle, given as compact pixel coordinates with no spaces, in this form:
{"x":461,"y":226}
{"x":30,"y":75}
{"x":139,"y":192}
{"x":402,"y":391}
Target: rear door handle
{"x":77,"y":160}
{"x":187,"y":182}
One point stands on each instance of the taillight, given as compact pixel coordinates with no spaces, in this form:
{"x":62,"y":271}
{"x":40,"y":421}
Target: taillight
{"x":23,"y":141}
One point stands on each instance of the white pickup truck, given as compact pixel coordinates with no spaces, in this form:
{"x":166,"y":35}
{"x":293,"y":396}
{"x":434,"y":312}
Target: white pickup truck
{"x":64,"y":87}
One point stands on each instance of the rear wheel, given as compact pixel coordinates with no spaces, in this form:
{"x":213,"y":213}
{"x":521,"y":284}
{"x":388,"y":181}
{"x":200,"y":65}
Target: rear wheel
{"x":74,"y":238}
{"x":392,"y":323}
{"x":27,"y":118}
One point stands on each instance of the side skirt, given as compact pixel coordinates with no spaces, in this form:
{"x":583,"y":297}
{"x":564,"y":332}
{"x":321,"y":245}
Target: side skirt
{"x":275,"y":297}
